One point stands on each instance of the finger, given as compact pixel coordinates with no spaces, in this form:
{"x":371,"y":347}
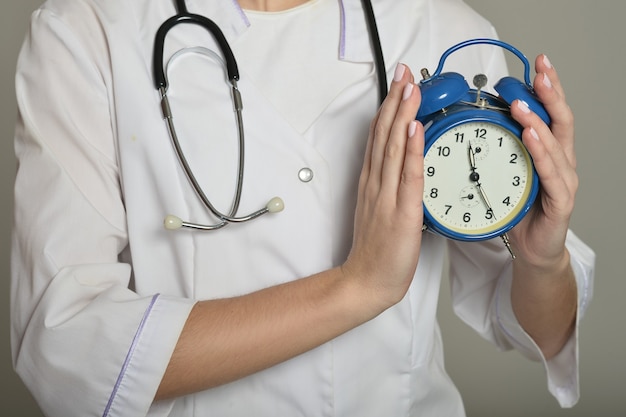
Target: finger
{"x":559,"y":181}
{"x":382,"y":127}
{"x":395,"y":151}
{"x":543,"y":65}
{"x":562,"y":119}
{"x":549,"y":154}
{"x":411,"y":188}
{"x":367,"y":159}
{"x":557,"y":175}
{"x":550,"y":92}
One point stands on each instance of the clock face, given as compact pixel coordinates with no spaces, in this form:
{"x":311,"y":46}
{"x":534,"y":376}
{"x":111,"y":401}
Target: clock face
{"x":478,"y":180}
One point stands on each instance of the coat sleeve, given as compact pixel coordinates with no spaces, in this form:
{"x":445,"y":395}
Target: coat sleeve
{"x":83,"y":342}
{"x":481,"y":297}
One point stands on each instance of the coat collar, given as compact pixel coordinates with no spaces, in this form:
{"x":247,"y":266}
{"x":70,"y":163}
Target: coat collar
{"x":354,"y":45}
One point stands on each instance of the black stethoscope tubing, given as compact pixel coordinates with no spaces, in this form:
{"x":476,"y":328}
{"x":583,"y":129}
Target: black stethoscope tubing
{"x":161,"y":84}
{"x":183,"y":16}
{"x":379,"y":60}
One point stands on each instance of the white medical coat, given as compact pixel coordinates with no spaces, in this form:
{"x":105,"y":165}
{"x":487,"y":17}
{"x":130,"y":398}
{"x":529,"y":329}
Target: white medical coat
{"x":100,"y":291}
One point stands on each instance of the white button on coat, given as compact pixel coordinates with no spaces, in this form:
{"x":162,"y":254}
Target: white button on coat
{"x":305,"y":174}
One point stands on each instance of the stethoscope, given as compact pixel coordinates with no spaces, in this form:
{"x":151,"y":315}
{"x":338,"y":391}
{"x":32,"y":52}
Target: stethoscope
{"x":275,"y":204}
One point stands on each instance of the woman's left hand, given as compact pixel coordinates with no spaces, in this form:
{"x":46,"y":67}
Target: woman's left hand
{"x":540,"y":237}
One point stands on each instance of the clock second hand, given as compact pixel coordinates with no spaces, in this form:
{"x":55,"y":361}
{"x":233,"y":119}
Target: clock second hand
{"x":474,"y":177}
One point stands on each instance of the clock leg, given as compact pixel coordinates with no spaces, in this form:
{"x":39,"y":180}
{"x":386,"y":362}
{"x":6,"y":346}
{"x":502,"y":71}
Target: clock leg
{"x":507,"y":243}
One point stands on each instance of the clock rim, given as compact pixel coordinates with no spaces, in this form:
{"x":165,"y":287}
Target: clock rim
{"x":459,"y":114}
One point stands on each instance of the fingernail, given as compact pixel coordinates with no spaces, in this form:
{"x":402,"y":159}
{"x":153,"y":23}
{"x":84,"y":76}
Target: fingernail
{"x":546,"y":81}
{"x":547,"y":62}
{"x":523,"y":106}
{"x":400,"y":68}
{"x":412,"y":128}
{"x":534,"y":134}
{"x":407,"y":91}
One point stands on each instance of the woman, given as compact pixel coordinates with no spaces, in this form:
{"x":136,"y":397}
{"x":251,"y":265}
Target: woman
{"x":326,"y":308}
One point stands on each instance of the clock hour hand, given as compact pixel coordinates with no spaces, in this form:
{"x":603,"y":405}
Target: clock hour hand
{"x":474,"y":177}
{"x":471,"y":156}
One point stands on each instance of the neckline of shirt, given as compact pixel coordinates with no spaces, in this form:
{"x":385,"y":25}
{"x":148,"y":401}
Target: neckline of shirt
{"x":282,"y":13}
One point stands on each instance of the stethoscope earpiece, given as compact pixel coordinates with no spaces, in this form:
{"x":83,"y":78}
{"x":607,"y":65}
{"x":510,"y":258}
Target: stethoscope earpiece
{"x":275,"y":205}
{"x":171,"y":222}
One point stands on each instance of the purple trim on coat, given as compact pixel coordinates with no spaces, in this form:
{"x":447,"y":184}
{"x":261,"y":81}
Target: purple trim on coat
{"x":342,"y":40}
{"x":242,"y":14}
{"x":129,"y":355}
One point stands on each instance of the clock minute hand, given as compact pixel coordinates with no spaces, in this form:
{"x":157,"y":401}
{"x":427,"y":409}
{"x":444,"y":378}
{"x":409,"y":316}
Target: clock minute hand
{"x":483,"y":195}
{"x":475,"y":178}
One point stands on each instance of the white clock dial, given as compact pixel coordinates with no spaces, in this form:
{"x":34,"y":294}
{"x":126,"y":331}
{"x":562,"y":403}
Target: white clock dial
{"x":477,"y":178}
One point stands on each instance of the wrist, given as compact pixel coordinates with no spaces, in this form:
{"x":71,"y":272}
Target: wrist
{"x":541,"y":266}
{"x":369,"y":291}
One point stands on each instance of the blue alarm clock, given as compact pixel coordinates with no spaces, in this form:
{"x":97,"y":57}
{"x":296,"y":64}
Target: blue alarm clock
{"x":479,"y":178}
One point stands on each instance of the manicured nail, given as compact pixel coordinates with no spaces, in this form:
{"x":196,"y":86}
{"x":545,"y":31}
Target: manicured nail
{"x":412,"y":128}
{"x":523,"y":106}
{"x":547,"y":62}
{"x":546,"y":81}
{"x":408,"y":89}
{"x":400,"y":68}
{"x":534,"y":134}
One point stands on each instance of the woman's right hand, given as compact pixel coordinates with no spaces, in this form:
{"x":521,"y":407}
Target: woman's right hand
{"x":388,"y":219}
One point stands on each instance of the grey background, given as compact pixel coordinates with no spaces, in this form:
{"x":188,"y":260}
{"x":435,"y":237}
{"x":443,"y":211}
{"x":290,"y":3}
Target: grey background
{"x":584,"y":40}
